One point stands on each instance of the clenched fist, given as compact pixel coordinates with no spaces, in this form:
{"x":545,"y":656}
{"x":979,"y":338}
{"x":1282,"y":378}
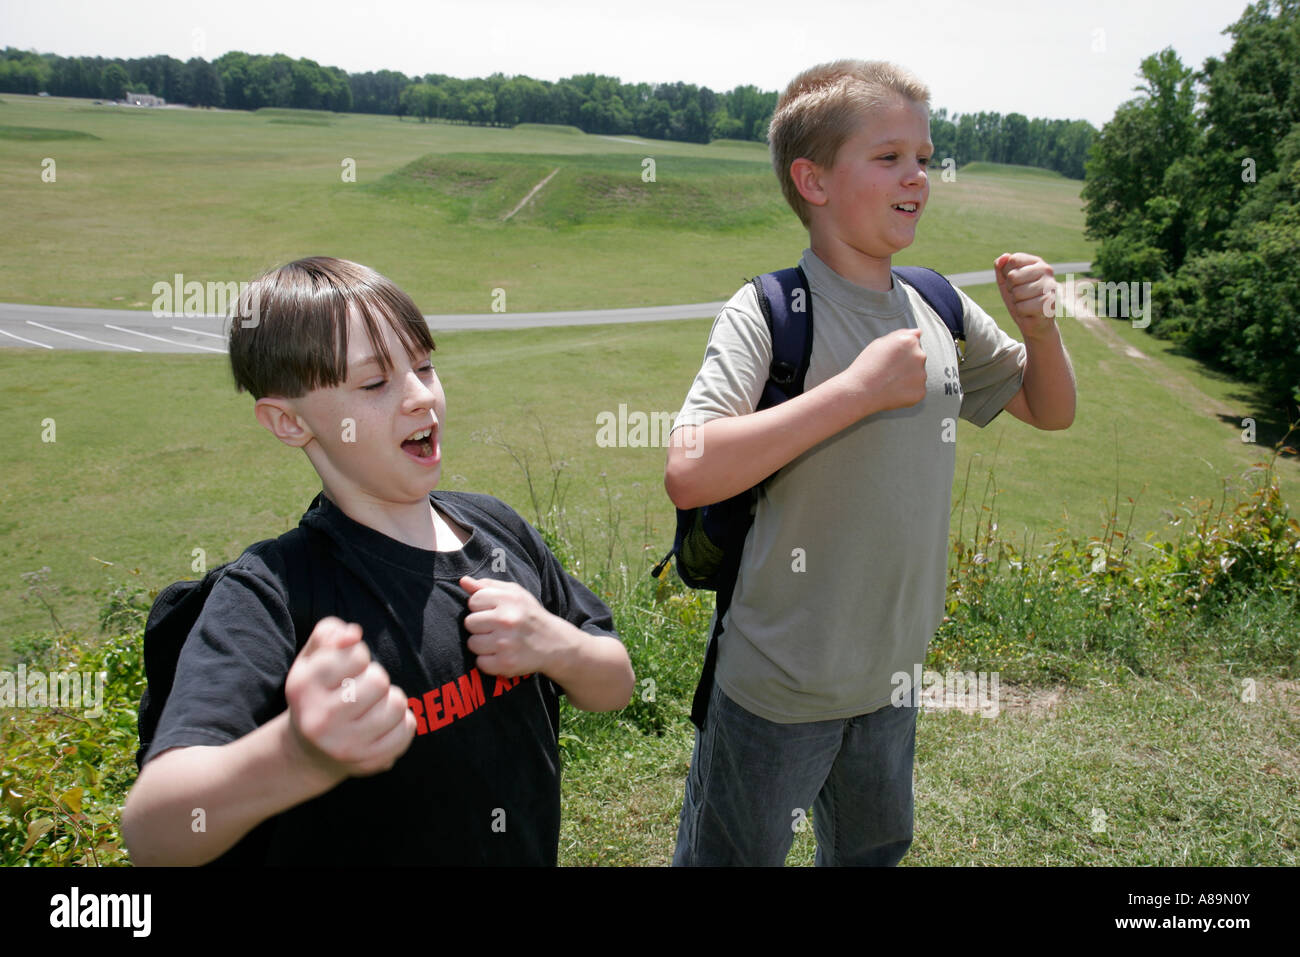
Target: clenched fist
{"x":1028,"y":289}
{"x":891,"y":371}
{"x":510,"y":631}
{"x":343,"y":709}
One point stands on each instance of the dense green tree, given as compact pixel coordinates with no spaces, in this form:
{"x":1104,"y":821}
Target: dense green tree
{"x":479,"y":106}
{"x":423,"y":100}
{"x":1207,"y":204}
{"x":593,"y":102}
{"x":1133,"y":151}
{"x":377,"y":92}
{"x":114,"y":79}
{"x":203,"y":84}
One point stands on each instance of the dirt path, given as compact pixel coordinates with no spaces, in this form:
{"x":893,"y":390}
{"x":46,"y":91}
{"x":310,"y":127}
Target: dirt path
{"x":1175,"y":382}
{"x":531,"y":193}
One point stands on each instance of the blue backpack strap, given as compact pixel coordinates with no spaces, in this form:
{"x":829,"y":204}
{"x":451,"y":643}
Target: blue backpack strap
{"x":786,"y":304}
{"x":939,"y":293}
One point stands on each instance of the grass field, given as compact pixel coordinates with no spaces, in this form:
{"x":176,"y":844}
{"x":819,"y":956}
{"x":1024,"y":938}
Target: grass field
{"x":156,"y":457}
{"x":223,"y":195}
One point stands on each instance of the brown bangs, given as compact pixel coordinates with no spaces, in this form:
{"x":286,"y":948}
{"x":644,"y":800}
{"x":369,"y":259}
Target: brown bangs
{"x":289,"y":332}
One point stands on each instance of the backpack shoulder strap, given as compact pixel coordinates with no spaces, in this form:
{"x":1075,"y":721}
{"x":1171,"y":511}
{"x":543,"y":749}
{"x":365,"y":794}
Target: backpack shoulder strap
{"x":786,"y":303}
{"x":936,"y":290}
{"x":303,"y":550}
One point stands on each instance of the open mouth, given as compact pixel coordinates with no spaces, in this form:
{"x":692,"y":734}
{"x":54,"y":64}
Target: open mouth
{"x":419,"y":445}
{"x":911,"y":209}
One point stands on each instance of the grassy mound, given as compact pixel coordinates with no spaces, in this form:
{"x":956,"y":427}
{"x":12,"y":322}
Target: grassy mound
{"x":42,"y":133}
{"x":1010,"y":170}
{"x":548,"y":128}
{"x":288,"y":114}
{"x":597,"y":189}
{"x":744,"y":144}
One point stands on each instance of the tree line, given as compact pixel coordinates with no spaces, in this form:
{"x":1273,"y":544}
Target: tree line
{"x":1194,"y":186}
{"x":592,"y":103}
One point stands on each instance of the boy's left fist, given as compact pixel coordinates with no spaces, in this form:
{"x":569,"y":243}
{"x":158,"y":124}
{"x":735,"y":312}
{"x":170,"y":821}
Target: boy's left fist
{"x":508,"y":627}
{"x":1028,"y":288}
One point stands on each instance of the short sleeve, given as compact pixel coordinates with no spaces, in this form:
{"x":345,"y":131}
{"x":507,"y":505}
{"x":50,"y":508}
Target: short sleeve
{"x":562,"y":594}
{"x":736,"y":363}
{"x":993,"y":366}
{"x":231,"y":672}
{"x":566,"y":597}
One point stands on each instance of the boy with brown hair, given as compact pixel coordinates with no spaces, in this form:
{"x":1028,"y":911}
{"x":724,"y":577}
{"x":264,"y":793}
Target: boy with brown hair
{"x":417,"y":719}
{"x":841,"y":581}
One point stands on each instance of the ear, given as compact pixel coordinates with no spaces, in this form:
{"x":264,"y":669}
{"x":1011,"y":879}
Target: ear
{"x":807,"y":178}
{"x":280,"y":419}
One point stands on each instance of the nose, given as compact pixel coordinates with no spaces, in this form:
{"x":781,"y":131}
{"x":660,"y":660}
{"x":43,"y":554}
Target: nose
{"x":420,"y":395}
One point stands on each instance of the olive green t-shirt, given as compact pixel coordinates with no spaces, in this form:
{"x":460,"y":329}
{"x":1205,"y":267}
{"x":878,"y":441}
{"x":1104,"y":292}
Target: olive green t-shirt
{"x":842,"y":579}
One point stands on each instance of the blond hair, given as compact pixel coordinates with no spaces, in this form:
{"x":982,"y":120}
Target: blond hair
{"x":822,"y":107}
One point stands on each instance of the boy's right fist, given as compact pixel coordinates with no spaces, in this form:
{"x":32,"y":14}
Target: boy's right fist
{"x":343,"y":709}
{"x":890,"y":371}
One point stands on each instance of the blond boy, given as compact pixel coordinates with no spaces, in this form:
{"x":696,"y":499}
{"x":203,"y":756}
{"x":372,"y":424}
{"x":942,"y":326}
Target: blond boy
{"x":841,"y":582}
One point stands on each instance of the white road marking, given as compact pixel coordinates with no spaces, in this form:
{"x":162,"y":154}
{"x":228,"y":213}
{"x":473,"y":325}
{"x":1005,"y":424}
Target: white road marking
{"x":171,"y":342}
{"x":64,"y":332}
{"x":198,"y":332}
{"x":43,"y":345}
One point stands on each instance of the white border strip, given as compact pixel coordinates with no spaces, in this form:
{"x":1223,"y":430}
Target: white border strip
{"x":43,"y":345}
{"x":64,"y":332}
{"x":171,"y":342}
{"x":199,"y":332}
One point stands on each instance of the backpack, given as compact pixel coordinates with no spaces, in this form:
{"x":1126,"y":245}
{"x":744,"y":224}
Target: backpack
{"x":710,"y":539}
{"x":177,"y":608}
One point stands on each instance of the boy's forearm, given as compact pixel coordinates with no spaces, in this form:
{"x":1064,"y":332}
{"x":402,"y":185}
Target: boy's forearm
{"x":725,"y":456}
{"x":236,"y":787}
{"x":1049,"y":380}
{"x":594,"y":670}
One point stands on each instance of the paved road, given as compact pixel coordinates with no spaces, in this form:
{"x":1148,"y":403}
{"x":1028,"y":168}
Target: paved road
{"x":124,"y":330}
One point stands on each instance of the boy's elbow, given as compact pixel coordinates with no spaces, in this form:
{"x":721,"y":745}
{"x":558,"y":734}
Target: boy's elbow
{"x":1063,"y":419}
{"x":679,"y":476}
{"x":621,"y":689}
{"x":136,"y":836}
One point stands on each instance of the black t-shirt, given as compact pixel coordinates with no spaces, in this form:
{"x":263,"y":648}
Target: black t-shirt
{"x":480,"y":783}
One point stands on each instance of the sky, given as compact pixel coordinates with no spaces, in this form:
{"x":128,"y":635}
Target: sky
{"x":1058,"y":59}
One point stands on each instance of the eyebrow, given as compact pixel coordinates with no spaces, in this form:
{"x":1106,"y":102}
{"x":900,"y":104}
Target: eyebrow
{"x":371,"y":359}
{"x":898,"y":141}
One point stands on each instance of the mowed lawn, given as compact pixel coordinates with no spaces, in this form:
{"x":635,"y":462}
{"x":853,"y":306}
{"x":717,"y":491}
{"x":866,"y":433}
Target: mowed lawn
{"x":141,"y":195}
{"x":156,"y":456}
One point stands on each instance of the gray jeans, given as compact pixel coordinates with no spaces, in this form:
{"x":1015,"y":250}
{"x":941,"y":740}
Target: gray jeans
{"x":752,"y":781}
